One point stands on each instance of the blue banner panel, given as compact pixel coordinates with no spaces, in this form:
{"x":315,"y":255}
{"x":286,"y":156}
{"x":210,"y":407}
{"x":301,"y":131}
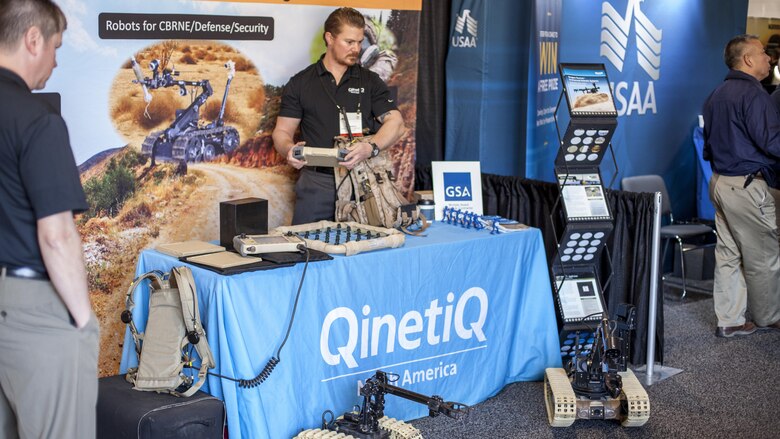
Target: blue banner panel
{"x":541,"y":137}
{"x":487,"y":70}
{"x":459,"y":314}
{"x":663,"y":58}
{"x":466,"y":76}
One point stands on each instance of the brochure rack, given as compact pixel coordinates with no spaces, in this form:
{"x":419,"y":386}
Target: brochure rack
{"x":587,"y":216}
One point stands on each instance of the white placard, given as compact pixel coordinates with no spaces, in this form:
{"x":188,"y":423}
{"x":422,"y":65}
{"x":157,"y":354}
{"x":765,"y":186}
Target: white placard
{"x":579,"y":298}
{"x":457,"y":185}
{"x":584,"y":197}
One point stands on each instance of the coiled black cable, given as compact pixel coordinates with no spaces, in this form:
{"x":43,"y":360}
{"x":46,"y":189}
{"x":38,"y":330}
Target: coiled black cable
{"x":273,"y":361}
{"x":262,"y":376}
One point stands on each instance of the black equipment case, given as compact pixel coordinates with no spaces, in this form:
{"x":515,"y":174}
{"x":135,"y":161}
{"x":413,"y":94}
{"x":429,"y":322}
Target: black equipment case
{"x":124,"y":413}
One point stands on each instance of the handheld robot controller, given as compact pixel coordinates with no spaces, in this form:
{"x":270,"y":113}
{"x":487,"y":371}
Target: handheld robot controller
{"x":319,"y":156}
{"x":256,"y":244}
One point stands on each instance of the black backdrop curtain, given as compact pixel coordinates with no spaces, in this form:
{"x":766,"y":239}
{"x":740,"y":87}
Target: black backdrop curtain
{"x":431,"y":100}
{"x":630,"y":248}
{"x":534,"y":203}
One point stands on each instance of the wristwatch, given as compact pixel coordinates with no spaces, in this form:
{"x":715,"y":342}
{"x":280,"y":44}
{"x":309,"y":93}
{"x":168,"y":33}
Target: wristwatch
{"x":374,"y":149}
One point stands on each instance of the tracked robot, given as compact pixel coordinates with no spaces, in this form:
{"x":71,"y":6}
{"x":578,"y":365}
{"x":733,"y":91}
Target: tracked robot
{"x":595,"y":383}
{"x":186,"y":139}
{"x":368,"y":420}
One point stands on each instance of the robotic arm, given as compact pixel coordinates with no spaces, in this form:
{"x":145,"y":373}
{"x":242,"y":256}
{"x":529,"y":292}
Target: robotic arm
{"x":166,"y":79}
{"x":139,"y":79}
{"x":231,"y":66}
{"x":365,"y":423}
{"x":596,"y":371}
{"x":185,"y":120}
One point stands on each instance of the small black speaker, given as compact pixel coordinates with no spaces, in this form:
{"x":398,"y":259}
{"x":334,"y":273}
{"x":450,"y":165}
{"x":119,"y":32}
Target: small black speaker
{"x":247,"y":215}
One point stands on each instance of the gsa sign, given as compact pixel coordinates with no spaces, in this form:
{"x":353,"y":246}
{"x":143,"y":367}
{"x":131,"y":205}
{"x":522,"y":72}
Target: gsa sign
{"x":457,"y":186}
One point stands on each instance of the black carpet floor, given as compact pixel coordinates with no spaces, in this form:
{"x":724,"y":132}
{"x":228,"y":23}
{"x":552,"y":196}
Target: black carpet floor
{"x":729,"y":388}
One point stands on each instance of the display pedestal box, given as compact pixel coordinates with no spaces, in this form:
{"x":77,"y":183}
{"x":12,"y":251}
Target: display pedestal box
{"x":247,"y":215}
{"x":124,"y":413}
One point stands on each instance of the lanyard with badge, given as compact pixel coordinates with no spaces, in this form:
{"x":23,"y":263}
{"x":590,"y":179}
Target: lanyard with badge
{"x":350,"y":123}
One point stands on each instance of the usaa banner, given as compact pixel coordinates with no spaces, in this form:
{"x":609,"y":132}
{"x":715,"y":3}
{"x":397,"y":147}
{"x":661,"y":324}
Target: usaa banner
{"x":543,"y":75}
{"x":663,"y":58}
{"x":210,"y":74}
{"x":487,"y":76}
{"x":465,"y":80}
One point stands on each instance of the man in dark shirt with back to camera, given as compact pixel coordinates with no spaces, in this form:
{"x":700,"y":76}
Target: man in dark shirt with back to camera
{"x":742,"y":143}
{"x":319,"y":99}
{"x":48,"y":332}
{"x":776,"y":98}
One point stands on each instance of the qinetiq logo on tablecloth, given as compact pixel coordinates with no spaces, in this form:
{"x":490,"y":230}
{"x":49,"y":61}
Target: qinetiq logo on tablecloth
{"x":457,"y":186}
{"x":444,"y":330}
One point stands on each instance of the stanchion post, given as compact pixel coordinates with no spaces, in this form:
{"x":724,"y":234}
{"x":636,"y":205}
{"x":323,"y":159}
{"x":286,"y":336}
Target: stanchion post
{"x":649,"y":372}
{"x":653,"y":299}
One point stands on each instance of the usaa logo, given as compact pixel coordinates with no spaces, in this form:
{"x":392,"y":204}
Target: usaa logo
{"x":615,"y":32}
{"x":457,"y":186}
{"x":465,"y":30}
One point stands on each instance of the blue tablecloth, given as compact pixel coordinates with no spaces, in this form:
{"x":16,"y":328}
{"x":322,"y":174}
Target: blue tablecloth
{"x":459,"y":313}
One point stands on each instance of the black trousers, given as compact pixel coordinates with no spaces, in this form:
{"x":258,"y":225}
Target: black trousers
{"x":315,"y":197}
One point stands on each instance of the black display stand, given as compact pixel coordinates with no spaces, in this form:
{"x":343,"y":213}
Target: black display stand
{"x":586,"y":211}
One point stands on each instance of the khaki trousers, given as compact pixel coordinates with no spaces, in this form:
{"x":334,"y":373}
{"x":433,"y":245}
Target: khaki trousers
{"x":48,"y":368}
{"x":747,"y":255}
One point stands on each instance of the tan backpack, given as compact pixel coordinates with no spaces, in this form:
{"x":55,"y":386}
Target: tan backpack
{"x":368,"y":195}
{"x":172,"y":325}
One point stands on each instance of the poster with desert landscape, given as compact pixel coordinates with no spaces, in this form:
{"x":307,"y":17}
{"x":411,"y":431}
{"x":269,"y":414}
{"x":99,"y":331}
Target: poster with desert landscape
{"x":118,"y":95}
{"x":587,"y":90}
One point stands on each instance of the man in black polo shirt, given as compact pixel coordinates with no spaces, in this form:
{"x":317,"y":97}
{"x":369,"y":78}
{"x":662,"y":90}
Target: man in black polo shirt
{"x":742,"y":142}
{"x":48,"y":333}
{"x":321,"y":99}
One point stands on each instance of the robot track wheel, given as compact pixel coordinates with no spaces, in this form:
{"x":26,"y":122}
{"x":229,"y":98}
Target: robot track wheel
{"x":399,"y":429}
{"x":637,"y":401}
{"x":559,"y":398}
